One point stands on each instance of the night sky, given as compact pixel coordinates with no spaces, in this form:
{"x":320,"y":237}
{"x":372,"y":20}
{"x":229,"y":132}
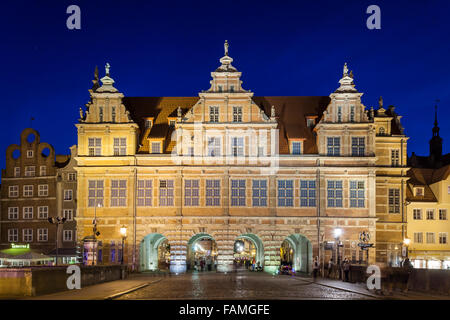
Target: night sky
{"x":169,"y":48}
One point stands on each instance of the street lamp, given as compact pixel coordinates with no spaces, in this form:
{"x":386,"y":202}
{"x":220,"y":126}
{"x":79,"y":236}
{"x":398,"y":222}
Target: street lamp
{"x":57,"y":221}
{"x":337,"y":234}
{"x":123,"y":233}
{"x":406,"y":242}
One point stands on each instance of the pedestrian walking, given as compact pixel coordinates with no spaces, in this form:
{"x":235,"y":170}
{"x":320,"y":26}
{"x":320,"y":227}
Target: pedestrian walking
{"x":330,"y":268}
{"x":407,"y":269}
{"x":315,"y":267}
{"x":346,"y":269}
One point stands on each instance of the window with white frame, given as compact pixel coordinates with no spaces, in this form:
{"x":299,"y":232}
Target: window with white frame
{"x":352,"y":113}
{"x":166,"y":193}
{"x":27,"y":212}
{"x":357,"y":194}
{"x":430,"y":214}
{"x":285,"y":193}
{"x":418,"y":191}
{"x":156,"y":147}
{"x":43,"y":212}
{"x":394,"y":200}
{"x":42,"y":234}
{"x":259,"y":193}
{"x":71,"y":176}
{"x":30,"y":154}
{"x":67,"y":235}
{"x":212,"y":193}
{"x":238,"y":193}
{"x":334,"y":193}
{"x":120,"y":146}
{"x":95,"y":193}
{"x":417,"y":214}
{"x":261,"y":152}
{"x":27,"y":235}
{"x":13,"y":213}
{"x":418,"y":237}
{"x":333,"y":146}
{"x":395,"y":157}
{"x":358,"y":146}
{"x":191,"y":192}
{"x":68,"y":195}
{"x":95,"y":146}
{"x":443,"y":237}
{"x":68,"y":214}
{"x":43,"y":171}
{"x":118,"y":193}
{"x":430,"y":237}
{"x":310,"y":122}
{"x":213,"y":114}
{"x":13,"y":191}
{"x":28,"y":190}
{"x":13,"y":235}
{"x":307,"y":193}
{"x":43,"y":190}
{"x":30,"y":171}
{"x":442,"y":214}
{"x":214,"y":146}
{"x":237,"y":146}
{"x":296,"y":147}
{"x":237,"y":114}
{"x":16,"y":172}
{"x":339,"y":114}
{"x":144,"y":193}
{"x":148,"y":123}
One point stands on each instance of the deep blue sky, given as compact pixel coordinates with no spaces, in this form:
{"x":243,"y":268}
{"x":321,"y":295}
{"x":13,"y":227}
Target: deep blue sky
{"x":169,"y":48}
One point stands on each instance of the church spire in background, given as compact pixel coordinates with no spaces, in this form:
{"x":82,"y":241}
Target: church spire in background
{"x":436,"y":140}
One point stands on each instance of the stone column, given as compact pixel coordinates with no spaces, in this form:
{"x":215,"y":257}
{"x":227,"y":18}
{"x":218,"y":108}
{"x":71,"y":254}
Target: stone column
{"x":271,"y":251}
{"x":178,"y":252}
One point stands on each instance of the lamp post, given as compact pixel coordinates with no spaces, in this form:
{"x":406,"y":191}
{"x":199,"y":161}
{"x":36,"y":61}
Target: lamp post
{"x":57,"y":221}
{"x":406,"y":242}
{"x":123,"y":233}
{"x":337,"y":235}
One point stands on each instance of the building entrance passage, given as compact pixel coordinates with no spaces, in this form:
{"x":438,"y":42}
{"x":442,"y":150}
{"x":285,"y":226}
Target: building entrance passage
{"x":296,"y":254}
{"x":244,"y":254}
{"x":154,"y":253}
{"x":202,"y":253}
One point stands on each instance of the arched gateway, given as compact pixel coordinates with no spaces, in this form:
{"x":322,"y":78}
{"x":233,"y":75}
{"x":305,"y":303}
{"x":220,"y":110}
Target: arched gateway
{"x":154,"y":252}
{"x":296,"y":251}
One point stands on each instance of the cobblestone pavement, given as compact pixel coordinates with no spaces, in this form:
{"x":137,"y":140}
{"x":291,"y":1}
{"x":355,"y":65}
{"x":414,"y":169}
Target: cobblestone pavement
{"x":241,"y":286}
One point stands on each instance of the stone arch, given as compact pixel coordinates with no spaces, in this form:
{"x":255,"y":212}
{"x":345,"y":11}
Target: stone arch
{"x":148,"y":251}
{"x":190,"y":246}
{"x":258,"y":244}
{"x":303,"y":252}
{"x":24,"y":137}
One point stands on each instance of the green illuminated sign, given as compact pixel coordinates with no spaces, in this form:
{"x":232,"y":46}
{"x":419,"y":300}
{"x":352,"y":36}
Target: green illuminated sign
{"x":20,"y":246}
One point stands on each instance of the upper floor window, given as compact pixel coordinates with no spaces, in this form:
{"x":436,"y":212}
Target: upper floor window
{"x":358,"y":146}
{"x":13,"y":191}
{"x":30,"y":171}
{"x":310,"y":122}
{"x":13,"y":235}
{"x":394,"y":200}
{"x":27,"y":212}
{"x":395,"y":157}
{"x":307,"y":193}
{"x":68,"y":214}
{"x":166,"y":193}
{"x":42,"y":171}
{"x":144,"y":193}
{"x":259,"y":193}
{"x":238,"y":193}
{"x":16,"y":172}
{"x":430,"y":237}
{"x":95,"y":146}
{"x":443,"y":237}
{"x":100,"y":112}
{"x":231,"y":88}
{"x":72,"y":176}
{"x":27,"y":235}
{"x":191,"y":192}
{"x":213,"y":193}
{"x":213,"y":146}
{"x":285,"y":193}
{"x":30,"y":153}
{"x":339,"y":114}
{"x":43,"y":190}
{"x":417,"y":214}
{"x":172,"y":123}
{"x":13,"y":213}
{"x":68,"y":195}
{"x":67,"y":235}
{"x":418,"y":237}
{"x":156,"y":147}
{"x":333,"y":146}
{"x":419,"y":191}
{"x":120,"y":146}
{"x":430,"y":214}
{"x":442,"y":214}
{"x":296,"y":147}
{"x":43,"y":212}
{"x":237,"y":114}
{"x":213,"y":114}
{"x":382,"y":131}
{"x":220,"y":88}
{"x":334,"y":193}
{"x":148,"y":123}
{"x":352,"y":113}
{"x":95,"y":193}
{"x":42,"y":234}
{"x":28,"y":190}
{"x":118,"y":193}
{"x":237,"y":146}
{"x":357,"y":194}
{"x":113,"y":114}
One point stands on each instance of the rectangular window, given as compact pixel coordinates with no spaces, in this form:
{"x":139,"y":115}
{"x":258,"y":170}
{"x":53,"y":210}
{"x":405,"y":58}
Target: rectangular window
{"x":43,"y":212}
{"x":238,"y":193}
{"x":352,"y":113}
{"x":148,"y":123}
{"x":213,"y":146}
{"x":42,"y":171}
{"x":307,"y":193}
{"x":395,"y":157}
{"x":296,"y":147}
{"x":166,"y":193}
{"x":285,"y":193}
{"x":156,"y":147}
{"x":358,"y":146}
{"x":42,"y":235}
{"x":30,"y":153}
{"x":13,"y":235}
{"x":237,"y":146}
{"x":16,"y":172}
{"x":394,"y":200}
{"x":67,"y":235}
{"x":95,"y":193}
{"x":237,"y":114}
{"x":261,"y":152}
{"x":144,"y":193}
{"x":68,"y":214}
{"x":113,"y":114}
{"x":417,"y":214}
{"x":443,"y":237}
{"x":95,"y":146}
{"x":333,"y":146}
{"x":220,"y":88}
{"x":357,"y":194}
{"x":27,"y":212}
{"x":430,"y":214}
{"x":172,"y":123}
{"x":231,"y":88}
{"x":30,"y":171}
{"x":100,"y":111}
{"x":28,"y":190}
{"x":334,"y":193}
{"x":418,"y":237}
{"x":191,"y":192}
{"x":120,"y":146}
{"x":13,"y":213}
{"x":112,"y":252}
{"x":13,"y":191}
{"x":418,"y":191}
{"x":310,"y":122}
{"x":213,"y":114}
{"x":442,"y":214}
{"x":339,"y":114}
{"x":118,"y":193}
{"x":72,"y":176}
{"x":68,"y":195}
{"x":430,"y":237}
{"x":259,"y":193}
{"x":212,"y":193}
{"x":43,"y":190}
{"x":27,"y":235}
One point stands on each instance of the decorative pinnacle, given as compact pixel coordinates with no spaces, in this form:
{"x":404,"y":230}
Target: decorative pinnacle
{"x":345,"y":73}
{"x":107,"y":66}
{"x":380,"y":102}
{"x":226,"y":45}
